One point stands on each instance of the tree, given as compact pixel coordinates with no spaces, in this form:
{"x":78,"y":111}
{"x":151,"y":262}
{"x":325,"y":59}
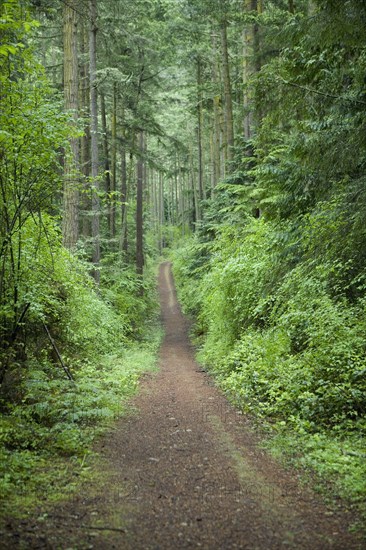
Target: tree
{"x":94,"y":139}
{"x":71,"y":163}
{"x":139,"y":210}
{"x":228,"y":106}
{"x":33,"y":132}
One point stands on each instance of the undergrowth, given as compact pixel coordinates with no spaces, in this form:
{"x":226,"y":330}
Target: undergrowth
{"x":45,"y":440}
{"x":106,"y":338}
{"x":284,"y":345}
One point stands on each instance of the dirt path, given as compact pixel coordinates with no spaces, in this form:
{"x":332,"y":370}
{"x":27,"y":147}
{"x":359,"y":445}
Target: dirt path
{"x":185,"y":472}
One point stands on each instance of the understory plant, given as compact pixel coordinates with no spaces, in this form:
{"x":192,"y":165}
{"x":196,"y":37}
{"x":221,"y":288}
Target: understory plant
{"x":284,"y":345}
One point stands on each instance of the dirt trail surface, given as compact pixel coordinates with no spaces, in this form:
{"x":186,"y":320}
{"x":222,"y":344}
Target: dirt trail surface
{"x":185,"y":471}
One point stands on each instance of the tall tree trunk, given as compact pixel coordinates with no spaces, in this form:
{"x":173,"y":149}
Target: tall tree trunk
{"x":248,"y":70}
{"x":213,"y":160}
{"x":251,"y":65}
{"x":200,"y":129}
{"x":291,"y":6}
{"x":85,"y":139}
{"x":258,"y":7}
{"x":180,"y":183}
{"x":124,"y":190}
{"x":161,"y":211}
{"x":229,"y":125}
{"x":176,"y":202}
{"x":113,"y":162}
{"x":94,"y":140}
{"x":196,"y":205}
{"x":107,"y":168}
{"x":216,"y":113}
{"x":70,"y":222}
{"x":153,"y":209}
{"x":139,"y":210}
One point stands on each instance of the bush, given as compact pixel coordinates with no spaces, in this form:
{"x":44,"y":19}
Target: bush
{"x":283,"y":343}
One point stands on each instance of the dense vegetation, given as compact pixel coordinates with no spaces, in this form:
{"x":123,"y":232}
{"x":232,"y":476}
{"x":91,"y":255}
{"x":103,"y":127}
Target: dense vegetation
{"x":275,"y":274}
{"x":71,"y":349}
{"x":232,"y":131}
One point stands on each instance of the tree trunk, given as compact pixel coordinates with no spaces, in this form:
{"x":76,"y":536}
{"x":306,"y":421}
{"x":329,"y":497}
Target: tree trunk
{"x":139,"y":211}
{"x":124,"y":190}
{"x":180,"y":183}
{"x":199,"y":130}
{"x":175,"y":193}
{"x":94,"y":140}
{"x":258,"y":7}
{"x":85,"y":139}
{"x":107,"y":168}
{"x":153,"y":209}
{"x":112,"y":225}
{"x":248,"y":70}
{"x":229,"y":125}
{"x":217,"y":114}
{"x":251,"y":65}
{"x":196,"y":205}
{"x":70,"y":222}
{"x":161,"y":211}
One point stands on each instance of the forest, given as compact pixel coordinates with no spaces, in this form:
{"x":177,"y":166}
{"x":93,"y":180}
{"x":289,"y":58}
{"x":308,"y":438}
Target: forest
{"x":226,"y":135}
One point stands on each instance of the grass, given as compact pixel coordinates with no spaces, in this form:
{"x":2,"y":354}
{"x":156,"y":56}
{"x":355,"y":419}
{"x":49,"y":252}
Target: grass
{"x":334,"y":465}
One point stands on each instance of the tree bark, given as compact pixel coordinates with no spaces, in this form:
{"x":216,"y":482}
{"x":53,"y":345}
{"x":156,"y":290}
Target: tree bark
{"x":124,"y":190}
{"x":161,"y":211}
{"x":85,"y":139}
{"x":176,"y":201}
{"x":217,"y":130}
{"x":112,"y":225}
{"x":139,"y":211}
{"x":94,"y":140}
{"x":228,"y":113}
{"x":196,"y":206}
{"x":70,"y":222}
{"x":200,"y":130}
{"x":107,"y":168}
{"x":248,"y":70}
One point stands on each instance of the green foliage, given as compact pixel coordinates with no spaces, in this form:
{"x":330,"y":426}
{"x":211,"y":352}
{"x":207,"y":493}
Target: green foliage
{"x":279,"y":301}
{"x":13,"y":29}
{"x":33,"y":131}
{"x":46,"y":417}
{"x":280,"y":336}
{"x":309,"y":145}
{"x":57,"y":420}
{"x":121,"y":290}
{"x":49,"y":422}
{"x":307,"y":368}
{"x":234,"y":285}
{"x":189,"y":258}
